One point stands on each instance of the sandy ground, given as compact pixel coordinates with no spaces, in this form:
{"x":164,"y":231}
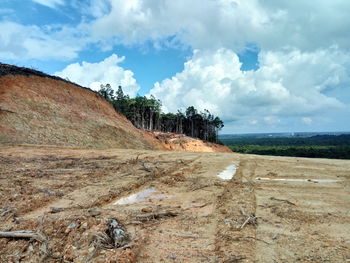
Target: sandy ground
{"x":68,"y":196}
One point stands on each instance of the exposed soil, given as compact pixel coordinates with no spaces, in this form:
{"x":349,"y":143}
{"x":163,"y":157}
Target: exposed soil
{"x":68,"y":195}
{"x":181,"y":142}
{"x":38,"y":109}
{"x":45,"y":111}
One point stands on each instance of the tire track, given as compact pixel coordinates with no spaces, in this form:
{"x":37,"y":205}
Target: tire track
{"x":235,"y":236}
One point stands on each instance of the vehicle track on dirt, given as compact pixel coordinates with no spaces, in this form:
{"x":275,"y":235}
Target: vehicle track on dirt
{"x":191,"y":216}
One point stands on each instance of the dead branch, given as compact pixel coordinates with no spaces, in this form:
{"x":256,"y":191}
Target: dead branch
{"x":55,"y":210}
{"x":198,"y":206}
{"x":282,"y":200}
{"x":248,"y":238}
{"x":245,"y":222}
{"x":6,"y":210}
{"x":243,"y":212}
{"x":24,"y":234}
{"x":251,"y":219}
{"x":155,"y":215}
{"x":146,"y":168}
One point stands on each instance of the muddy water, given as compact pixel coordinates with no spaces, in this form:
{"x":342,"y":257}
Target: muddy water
{"x":228,"y":173}
{"x":299,"y":180}
{"x":140,"y":196}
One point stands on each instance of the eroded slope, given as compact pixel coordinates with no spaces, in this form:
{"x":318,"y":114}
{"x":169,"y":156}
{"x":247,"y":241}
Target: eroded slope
{"x":46,"y":111}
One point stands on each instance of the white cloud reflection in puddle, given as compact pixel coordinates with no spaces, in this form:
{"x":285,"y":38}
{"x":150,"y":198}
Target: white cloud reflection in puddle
{"x":140,"y":196}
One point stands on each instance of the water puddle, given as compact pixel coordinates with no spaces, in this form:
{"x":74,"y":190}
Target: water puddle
{"x":228,"y":173}
{"x":140,"y":196}
{"x":299,"y":180}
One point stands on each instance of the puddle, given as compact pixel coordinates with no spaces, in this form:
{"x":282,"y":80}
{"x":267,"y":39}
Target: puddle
{"x":299,"y":180}
{"x":228,"y":173}
{"x":140,"y":196}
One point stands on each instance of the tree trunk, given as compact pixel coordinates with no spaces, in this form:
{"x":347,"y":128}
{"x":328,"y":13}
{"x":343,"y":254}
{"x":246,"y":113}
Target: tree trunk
{"x":150,"y":120}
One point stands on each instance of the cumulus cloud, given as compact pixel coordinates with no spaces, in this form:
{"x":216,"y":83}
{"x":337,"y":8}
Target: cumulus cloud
{"x":290,"y":83}
{"x":272,"y":25}
{"x":107,"y":71}
{"x":227,"y":23}
{"x":303,"y":62}
{"x":19,"y":42}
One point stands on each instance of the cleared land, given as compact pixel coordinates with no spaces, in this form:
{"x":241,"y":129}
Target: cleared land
{"x":68,"y":194}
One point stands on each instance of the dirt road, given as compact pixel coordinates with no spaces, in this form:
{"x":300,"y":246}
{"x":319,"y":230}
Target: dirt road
{"x":173,"y":207}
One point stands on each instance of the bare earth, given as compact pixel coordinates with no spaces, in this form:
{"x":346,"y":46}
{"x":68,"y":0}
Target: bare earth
{"x":68,"y":196}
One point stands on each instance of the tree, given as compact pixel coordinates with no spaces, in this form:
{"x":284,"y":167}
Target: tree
{"x":145,"y":113}
{"x":121,"y":101}
{"x":107,"y":92}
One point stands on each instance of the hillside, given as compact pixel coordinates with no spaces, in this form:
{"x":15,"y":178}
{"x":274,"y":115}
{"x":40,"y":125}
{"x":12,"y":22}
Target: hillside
{"x":39,"y":109}
{"x":180,"y":142}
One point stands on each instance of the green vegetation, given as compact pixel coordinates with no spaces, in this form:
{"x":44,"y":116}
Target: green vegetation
{"x":145,"y":113}
{"x":314,"y":146}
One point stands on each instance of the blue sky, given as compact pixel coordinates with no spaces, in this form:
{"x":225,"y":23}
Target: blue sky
{"x":262,"y":66}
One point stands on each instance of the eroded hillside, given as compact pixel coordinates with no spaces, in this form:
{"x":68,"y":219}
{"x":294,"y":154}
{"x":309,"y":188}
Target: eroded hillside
{"x":42,"y":110}
{"x":182,"y":143}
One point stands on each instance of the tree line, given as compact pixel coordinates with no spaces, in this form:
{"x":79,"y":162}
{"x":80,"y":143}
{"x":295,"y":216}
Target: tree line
{"x":319,"y":146}
{"x":146,"y":114}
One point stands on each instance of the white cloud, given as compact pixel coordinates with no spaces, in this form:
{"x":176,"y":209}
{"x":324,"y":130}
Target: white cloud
{"x":304,"y":60}
{"x":287,"y":84}
{"x":50,"y":3}
{"x":19,"y":42}
{"x":200,"y":24}
{"x":227,"y":23}
{"x":107,"y":71}
{"x":306,"y":120}
{"x":271,"y":119}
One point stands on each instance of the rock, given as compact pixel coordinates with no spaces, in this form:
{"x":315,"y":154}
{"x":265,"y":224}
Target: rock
{"x":73,"y":225}
{"x":51,"y":192}
{"x":30,"y":247}
{"x":94,"y":212}
{"x":56,"y":210}
{"x":146,"y":210}
{"x":117,"y":233}
{"x":172,"y":256}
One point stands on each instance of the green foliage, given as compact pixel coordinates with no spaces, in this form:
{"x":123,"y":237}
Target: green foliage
{"x":320,"y":146}
{"x":145,"y":113}
{"x":106,"y":92}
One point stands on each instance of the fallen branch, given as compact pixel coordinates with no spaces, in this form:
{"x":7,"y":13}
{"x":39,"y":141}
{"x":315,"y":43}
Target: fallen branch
{"x":24,"y":234}
{"x":248,"y":238}
{"x":155,"y":215}
{"x":245,"y":222}
{"x":282,"y":200}
{"x":146,"y":168}
{"x":198,"y":206}
{"x":6,"y":210}
{"x":251,"y":219}
{"x":9,"y":111}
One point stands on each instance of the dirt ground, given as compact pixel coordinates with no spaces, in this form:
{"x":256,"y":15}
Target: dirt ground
{"x":67,"y":196}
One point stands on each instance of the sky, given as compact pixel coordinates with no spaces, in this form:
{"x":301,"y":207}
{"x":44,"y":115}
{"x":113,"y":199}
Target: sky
{"x":260,"y":65}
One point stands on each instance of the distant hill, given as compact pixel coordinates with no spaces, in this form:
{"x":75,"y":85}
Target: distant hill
{"x":36,"y":108}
